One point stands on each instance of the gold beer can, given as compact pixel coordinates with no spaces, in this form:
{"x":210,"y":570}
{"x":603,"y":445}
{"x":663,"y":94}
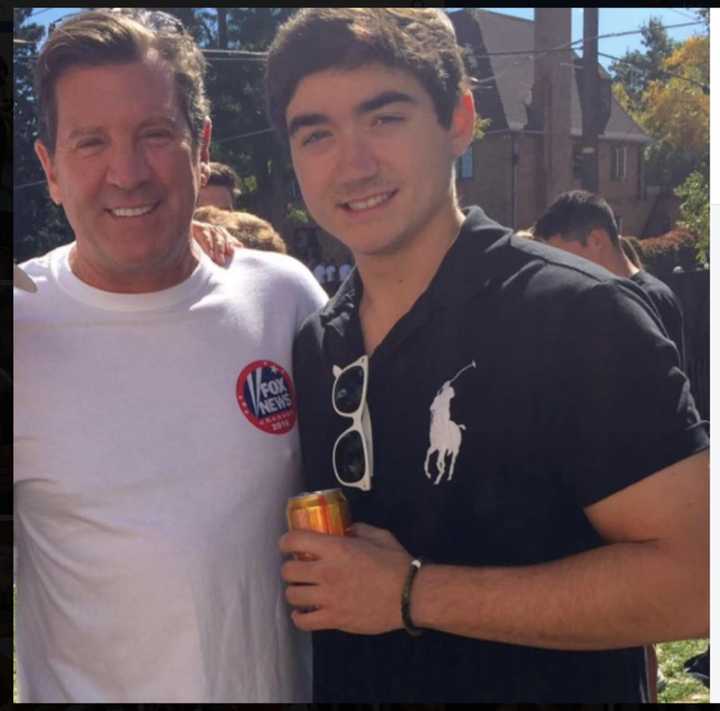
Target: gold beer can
{"x":325,"y":511}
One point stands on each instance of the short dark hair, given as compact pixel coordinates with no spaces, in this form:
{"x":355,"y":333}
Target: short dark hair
{"x":101,"y":37}
{"x":224,"y":175}
{"x":574,"y":214}
{"x":420,"y":41}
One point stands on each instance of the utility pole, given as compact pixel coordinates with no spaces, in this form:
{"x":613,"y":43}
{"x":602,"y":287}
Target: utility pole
{"x":590,"y":100}
{"x":222,"y":27}
{"x":551,"y":102}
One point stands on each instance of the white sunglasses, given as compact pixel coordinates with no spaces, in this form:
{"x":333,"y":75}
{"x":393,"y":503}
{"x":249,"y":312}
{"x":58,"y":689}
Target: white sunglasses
{"x":353,"y":453}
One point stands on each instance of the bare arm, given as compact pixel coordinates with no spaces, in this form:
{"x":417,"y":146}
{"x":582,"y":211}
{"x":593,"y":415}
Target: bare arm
{"x":650,"y":583}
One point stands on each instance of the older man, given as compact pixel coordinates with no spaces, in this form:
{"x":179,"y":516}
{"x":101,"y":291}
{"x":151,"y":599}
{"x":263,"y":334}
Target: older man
{"x":149,"y":489}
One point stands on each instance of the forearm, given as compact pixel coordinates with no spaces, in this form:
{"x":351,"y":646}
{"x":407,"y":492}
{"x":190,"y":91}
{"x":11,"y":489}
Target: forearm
{"x":620,"y":595}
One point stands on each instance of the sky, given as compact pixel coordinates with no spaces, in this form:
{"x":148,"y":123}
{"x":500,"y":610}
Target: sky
{"x":611,"y":20}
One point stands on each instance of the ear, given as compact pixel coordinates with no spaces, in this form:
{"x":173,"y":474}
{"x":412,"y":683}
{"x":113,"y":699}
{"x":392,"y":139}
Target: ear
{"x":462,"y":127}
{"x":598,"y":241}
{"x":47,"y":165}
{"x":205,"y":138}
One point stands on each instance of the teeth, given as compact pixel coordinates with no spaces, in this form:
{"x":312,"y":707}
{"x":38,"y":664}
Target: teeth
{"x":371,"y":202}
{"x":131,"y":211}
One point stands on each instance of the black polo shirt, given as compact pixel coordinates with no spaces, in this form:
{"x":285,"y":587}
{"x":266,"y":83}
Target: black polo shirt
{"x":546,"y":385}
{"x":663,"y":298}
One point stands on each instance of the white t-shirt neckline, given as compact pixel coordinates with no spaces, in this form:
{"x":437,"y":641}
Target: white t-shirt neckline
{"x":113,"y":301}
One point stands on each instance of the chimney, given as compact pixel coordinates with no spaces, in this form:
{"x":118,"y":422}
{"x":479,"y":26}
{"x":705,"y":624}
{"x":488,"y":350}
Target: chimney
{"x":554,"y":71}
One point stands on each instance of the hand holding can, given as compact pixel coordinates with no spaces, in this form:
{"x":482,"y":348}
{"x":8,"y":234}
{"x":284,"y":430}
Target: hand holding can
{"x":325,"y":511}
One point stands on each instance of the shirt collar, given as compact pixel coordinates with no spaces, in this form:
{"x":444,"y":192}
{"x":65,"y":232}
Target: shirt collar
{"x":459,"y":276}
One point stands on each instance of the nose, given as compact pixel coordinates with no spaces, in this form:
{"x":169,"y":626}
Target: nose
{"x":128,"y":167}
{"x":357,"y":160}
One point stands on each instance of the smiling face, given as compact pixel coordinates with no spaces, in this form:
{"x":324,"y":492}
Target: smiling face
{"x":126,"y":173}
{"x":372,"y":160}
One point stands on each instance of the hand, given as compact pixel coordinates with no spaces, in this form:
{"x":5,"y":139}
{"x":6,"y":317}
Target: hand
{"x":354,"y":584}
{"x":215,"y":241}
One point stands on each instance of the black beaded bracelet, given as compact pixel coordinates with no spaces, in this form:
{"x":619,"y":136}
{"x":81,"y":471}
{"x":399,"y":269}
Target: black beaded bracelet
{"x":410,"y":628}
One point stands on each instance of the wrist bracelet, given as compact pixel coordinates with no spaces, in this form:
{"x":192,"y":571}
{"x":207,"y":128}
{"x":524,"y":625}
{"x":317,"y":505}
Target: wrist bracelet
{"x":410,"y":628}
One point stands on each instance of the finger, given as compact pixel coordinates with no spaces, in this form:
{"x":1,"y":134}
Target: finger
{"x":303,"y":596}
{"x":317,"y":544}
{"x":311,"y":620}
{"x":299,"y":571}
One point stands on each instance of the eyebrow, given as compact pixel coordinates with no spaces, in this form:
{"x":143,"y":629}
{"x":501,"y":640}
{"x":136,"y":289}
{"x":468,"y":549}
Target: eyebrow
{"x":364,"y":107}
{"x":93,"y":130}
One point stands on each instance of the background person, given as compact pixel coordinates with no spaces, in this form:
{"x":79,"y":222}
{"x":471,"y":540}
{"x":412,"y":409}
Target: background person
{"x":546,"y":520}
{"x":248,"y":229}
{"x":220,"y":188}
{"x":583,"y":223}
{"x":148,"y":491}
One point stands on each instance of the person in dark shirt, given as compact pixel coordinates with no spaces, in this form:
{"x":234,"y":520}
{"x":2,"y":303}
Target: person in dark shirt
{"x":514,"y":515}
{"x":583,"y":223}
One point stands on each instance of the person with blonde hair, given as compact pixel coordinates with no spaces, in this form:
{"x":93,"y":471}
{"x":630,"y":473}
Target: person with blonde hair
{"x":249,"y":230}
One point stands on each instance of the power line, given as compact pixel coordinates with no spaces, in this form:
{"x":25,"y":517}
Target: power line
{"x":29,"y":185}
{"x":242,"y":135}
{"x":682,"y":14}
{"x":702,"y":85}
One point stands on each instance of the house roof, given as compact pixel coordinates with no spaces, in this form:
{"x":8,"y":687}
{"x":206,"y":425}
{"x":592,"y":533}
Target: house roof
{"x":505,"y":81}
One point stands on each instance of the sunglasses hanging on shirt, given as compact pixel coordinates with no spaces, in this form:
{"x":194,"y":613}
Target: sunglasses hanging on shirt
{"x":352,"y":453}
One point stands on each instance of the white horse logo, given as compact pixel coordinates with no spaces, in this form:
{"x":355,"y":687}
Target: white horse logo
{"x":445,"y":435}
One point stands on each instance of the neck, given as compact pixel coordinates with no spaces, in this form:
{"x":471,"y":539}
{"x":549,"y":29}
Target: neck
{"x":143,"y":279}
{"x":623,"y":267}
{"x":392,"y":283}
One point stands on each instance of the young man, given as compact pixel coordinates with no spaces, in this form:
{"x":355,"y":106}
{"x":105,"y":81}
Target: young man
{"x":149,"y":490}
{"x":220,"y":188}
{"x":583,"y":223}
{"x":446,"y":384}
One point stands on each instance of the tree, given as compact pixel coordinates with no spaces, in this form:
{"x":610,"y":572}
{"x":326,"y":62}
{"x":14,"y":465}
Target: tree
{"x":695,"y":212}
{"x":636,"y":69}
{"x":38,"y":225}
{"x":665,"y":91}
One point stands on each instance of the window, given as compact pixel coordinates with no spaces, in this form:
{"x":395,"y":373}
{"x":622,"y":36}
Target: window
{"x":577,"y":162}
{"x":618,"y":163}
{"x":464,"y":169}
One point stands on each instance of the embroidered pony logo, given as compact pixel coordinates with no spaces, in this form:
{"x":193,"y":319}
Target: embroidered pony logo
{"x":445,"y":435}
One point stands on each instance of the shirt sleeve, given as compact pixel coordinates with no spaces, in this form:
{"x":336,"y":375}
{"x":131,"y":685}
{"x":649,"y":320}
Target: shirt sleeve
{"x":629,"y":409}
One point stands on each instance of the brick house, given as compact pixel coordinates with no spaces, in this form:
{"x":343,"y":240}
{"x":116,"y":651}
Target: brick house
{"x":502,"y":171}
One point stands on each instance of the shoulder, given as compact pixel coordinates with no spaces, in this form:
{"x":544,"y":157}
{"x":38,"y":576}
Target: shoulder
{"x":42,"y":271}
{"x":278,"y":280}
{"x":279,"y":269}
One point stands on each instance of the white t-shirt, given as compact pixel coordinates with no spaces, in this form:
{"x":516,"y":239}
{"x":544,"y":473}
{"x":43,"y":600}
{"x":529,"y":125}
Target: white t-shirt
{"x":155,"y":449}
{"x":320,"y":272}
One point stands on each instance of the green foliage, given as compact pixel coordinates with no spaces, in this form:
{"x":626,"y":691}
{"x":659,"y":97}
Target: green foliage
{"x":675,"y":248}
{"x":695,"y":212}
{"x":38,"y":225}
{"x":297,"y":215}
{"x":673,"y":110}
{"x":480,"y":128}
{"x":680,"y":687}
{"x":637,"y":69}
